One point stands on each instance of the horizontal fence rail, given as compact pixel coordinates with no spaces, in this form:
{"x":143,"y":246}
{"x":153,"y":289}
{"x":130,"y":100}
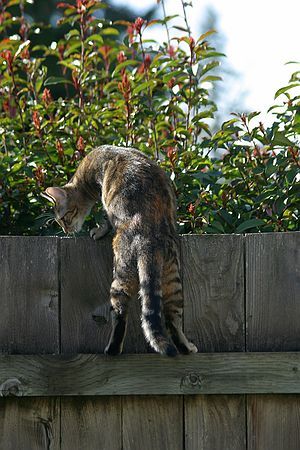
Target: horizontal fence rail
{"x":215,"y":373}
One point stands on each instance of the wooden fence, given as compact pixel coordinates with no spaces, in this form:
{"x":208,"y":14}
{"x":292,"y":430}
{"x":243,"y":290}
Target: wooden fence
{"x":242,"y":310}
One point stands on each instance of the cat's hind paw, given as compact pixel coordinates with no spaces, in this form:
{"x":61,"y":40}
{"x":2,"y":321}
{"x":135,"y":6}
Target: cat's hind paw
{"x":100,"y":231}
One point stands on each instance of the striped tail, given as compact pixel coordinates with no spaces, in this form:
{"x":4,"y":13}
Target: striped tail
{"x":150,"y":268}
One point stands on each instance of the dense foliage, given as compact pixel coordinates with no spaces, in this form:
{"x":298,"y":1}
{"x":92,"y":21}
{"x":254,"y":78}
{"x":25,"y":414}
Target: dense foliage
{"x":121,"y":88}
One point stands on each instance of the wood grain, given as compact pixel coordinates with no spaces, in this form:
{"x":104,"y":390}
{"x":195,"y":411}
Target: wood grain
{"x":274,"y":422}
{"x":215,"y":422}
{"x":29,"y":295}
{"x":213,"y":284}
{"x":29,"y":424}
{"x":273,"y":311}
{"x":216,"y":373}
{"x":152,"y":423}
{"x":273,"y":291}
{"x":91,"y":423}
{"x":86,"y":274}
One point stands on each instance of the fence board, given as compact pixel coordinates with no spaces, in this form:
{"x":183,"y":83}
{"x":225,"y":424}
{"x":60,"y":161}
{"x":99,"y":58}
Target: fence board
{"x":29,"y":424}
{"x":273,"y":287}
{"x":273,"y":422}
{"x":90,"y":423}
{"x":86,"y":273}
{"x":152,"y":423}
{"x":216,"y":373}
{"x":29,"y":295}
{"x":273,"y":310}
{"x":213,"y":282}
{"x":215,"y":422}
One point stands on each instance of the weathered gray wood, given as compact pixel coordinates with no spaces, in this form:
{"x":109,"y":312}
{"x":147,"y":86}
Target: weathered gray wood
{"x":213,"y":286}
{"x":29,"y":295}
{"x":29,"y":424}
{"x":152,"y":423}
{"x":273,"y":422}
{"x":213,"y":283}
{"x":273,"y":291}
{"x":273,"y":311}
{"x":215,"y":422}
{"x":89,"y":423}
{"x":86,"y":274}
{"x":218,"y":373}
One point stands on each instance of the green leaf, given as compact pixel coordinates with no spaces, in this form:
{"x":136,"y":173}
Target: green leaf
{"x":248,"y":224}
{"x":56,"y":80}
{"x":110,"y":31}
{"x":128,"y":62}
{"x":284,"y":89}
{"x":205,"y":35}
{"x":280,"y":139}
{"x":94,"y":38}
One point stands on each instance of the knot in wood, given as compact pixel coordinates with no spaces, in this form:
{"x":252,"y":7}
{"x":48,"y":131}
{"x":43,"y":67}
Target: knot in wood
{"x":191,"y":380}
{"x":11,"y":387}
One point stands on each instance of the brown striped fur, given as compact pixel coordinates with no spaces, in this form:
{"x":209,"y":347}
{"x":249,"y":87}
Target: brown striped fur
{"x":140,"y":205}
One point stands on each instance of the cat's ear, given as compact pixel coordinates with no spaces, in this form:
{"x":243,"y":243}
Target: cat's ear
{"x":55,"y":195}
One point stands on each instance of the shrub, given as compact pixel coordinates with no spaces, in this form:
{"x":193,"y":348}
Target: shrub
{"x":121,"y":88}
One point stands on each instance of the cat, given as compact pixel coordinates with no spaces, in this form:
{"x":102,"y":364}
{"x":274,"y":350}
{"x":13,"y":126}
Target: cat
{"x":140,"y":204}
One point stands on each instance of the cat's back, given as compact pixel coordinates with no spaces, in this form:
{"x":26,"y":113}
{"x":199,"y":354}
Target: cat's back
{"x":132,"y":183}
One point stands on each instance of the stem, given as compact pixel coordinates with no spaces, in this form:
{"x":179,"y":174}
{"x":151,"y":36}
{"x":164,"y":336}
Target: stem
{"x":189,"y":98}
{"x":166,"y":25}
{"x":152,"y":121}
{"x":82,"y":38}
{"x":185,"y":18}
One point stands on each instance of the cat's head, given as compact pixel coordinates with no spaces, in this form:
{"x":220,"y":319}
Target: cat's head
{"x":70,"y":207}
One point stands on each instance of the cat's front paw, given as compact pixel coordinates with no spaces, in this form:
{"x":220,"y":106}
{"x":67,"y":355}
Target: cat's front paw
{"x":100,"y":231}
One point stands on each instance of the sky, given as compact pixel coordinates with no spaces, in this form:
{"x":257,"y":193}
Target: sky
{"x":260,"y":36}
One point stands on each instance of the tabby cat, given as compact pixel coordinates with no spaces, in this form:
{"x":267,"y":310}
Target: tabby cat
{"x":140,"y":205}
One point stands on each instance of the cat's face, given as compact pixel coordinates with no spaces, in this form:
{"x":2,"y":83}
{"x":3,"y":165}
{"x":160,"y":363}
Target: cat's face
{"x":69,"y":208}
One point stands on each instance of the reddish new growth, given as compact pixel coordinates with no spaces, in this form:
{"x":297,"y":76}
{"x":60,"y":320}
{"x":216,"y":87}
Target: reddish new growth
{"x":139,"y":22}
{"x":104,"y":50}
{"x":60,"y":151}
{"x":191,"y":208}
{"x":7,"y":56}
{"x":121,"y":57}
{"x":36,"y":122}
{"x":80,"y":145}
{"x":145,"y":65}
{"x":47,"y":97}
{"x":39,"y":173}
{"x":124,"y":87}
{"x":171,"y":51}
{"x":135,"y":28}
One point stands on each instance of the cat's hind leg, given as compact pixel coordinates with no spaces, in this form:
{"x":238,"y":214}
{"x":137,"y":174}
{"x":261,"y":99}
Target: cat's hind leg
{"x":102,"y":230}
{"x":124,"y":286}
{"x":173,"y":307}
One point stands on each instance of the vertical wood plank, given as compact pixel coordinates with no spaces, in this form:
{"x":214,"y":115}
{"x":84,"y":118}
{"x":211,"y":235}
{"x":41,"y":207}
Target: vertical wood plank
{"x":29,"y":323}
{"x":29,"y":424}
{"x":91,"y":423}
{"x":213,"y":283}
{"x":215,"y":422}
{"x":274,"y":422}
{"x":213,"y":286}
{"x":152,"y":423}
{"x":273,"y":287}
{"x":29,"y":295}
{"x":86,"y":274}
{"x":273,"y":311}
